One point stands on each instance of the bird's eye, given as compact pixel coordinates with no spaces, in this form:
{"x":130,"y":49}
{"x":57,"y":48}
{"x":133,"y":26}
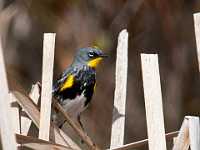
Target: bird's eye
{"x":91,"y":54}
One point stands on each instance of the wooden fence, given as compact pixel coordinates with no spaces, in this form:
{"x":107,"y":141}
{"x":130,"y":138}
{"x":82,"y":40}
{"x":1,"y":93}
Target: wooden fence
{"x":15,"y":126}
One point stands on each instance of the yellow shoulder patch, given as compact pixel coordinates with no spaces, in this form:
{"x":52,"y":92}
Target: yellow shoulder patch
{"x":68,"y":83}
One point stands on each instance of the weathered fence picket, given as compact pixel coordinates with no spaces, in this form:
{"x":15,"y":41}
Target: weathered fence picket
{"x":6,"y":125}
{"x":194,"y":132}
{"x":182,"y":140}
{"x":153,"y":102}
{"x":25,"y":121}
{"x":197,"y":34}
{"x":117,"y":133}
{"x":47,"y":82}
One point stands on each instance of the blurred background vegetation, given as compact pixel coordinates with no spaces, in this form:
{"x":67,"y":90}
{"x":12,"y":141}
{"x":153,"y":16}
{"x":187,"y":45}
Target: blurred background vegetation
{"x":163,"y":27}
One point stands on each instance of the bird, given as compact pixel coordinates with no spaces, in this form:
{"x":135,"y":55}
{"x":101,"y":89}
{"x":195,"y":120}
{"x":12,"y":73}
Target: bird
{"x":75,"y":86}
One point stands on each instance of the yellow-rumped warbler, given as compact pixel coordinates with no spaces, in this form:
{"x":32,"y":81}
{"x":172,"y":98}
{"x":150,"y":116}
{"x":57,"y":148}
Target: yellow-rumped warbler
{"x":75,"y":87}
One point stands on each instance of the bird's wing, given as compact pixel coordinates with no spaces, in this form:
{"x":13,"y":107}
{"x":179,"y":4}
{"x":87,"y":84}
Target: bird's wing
{"x":64,"y":81}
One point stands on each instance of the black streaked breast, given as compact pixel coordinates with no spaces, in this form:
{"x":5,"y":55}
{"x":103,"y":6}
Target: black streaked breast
{"x":85,"y":79}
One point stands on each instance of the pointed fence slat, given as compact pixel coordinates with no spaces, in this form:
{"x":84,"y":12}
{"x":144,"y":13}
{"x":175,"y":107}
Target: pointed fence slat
{"x":6,"y":115}
{"x":194,"y":132}
{"x":182,"y":140}
{"x":26,"y":122}
{"x":194,"y":122}
{"x":117,"y":133}
{"x":47,"y":79}
{"x":28,"y":106}
{"x":197,"y":34}
{"x":153,"y":102}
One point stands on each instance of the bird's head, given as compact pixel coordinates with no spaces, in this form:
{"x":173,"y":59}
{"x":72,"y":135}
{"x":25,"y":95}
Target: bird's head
{"x":91,"y":56}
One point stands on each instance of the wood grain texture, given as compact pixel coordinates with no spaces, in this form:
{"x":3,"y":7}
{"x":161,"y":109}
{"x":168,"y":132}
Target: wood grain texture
{"x":25,"y":121}
{"x":15,"y":110}
{"x":6,"y":114}
{"x":197,"y":34}
{"x":117,"y":133}
{"x":38,"y":144}
{"x":32,"y":111}
{"x":182,"y":141}
{"x":138,"y":144}
{"x":28,"y":106}
{"x":194,"y":132}
{"x":47,"y":82}
{"x":153,"y":102}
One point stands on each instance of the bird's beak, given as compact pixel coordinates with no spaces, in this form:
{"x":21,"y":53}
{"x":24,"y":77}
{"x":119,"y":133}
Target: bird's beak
{"x":103,"y":55}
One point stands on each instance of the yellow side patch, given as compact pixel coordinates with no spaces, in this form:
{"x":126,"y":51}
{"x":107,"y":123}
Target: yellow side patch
{"x":94,"y":63}
{"x":95,"y":85}
{"x":68,"y":83}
